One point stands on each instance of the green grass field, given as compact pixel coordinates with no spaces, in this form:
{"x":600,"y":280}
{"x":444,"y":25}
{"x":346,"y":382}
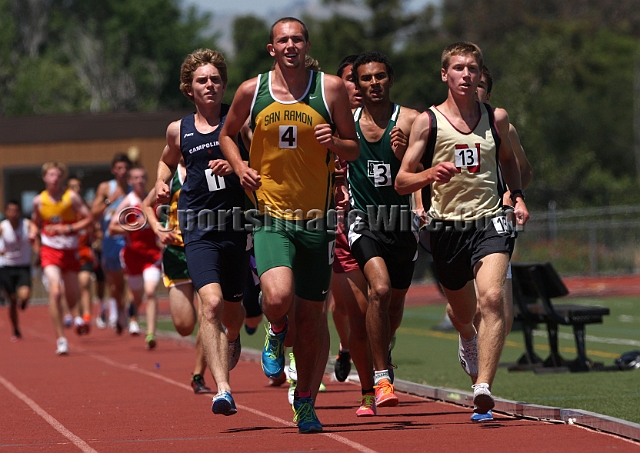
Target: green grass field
{"x":430,"y":357}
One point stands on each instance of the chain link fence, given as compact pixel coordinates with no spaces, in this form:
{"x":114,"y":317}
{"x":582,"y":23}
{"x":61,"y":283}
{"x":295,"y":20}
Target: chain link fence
{"x":588,"y":241}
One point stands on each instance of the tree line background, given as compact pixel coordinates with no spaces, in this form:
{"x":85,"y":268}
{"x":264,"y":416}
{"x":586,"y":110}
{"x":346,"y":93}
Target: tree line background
{"x":565,"y":70}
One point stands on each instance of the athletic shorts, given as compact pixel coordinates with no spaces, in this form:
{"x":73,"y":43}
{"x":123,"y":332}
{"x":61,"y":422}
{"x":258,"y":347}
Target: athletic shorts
{"x":223,"y":258}
{"x":458,"y":246}
{"x":344,"y":261}
{"x":251,"y":299}
{"x":98,"y":268}
{"x":174,"y":266}
{"x":111,"y":263}
{"x":135,"y":262}
{"x":308,"y":253}
{"x":399,"y":250}
{"x":111,"y":249}
{"x":87,"y":267}
{"x":14,"y":277}
{"x":66,"y":260}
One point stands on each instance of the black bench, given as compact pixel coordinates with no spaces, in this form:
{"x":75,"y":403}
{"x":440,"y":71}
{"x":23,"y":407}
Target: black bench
{"x":534,"y":285}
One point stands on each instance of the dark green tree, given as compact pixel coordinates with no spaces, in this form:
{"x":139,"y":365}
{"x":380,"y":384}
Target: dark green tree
{"x":250,"y":39}
{"x":572,"y":102}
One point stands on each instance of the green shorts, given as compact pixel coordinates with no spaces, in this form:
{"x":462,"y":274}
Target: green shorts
{"x":308,"y":253}
{"x":174,"y":266}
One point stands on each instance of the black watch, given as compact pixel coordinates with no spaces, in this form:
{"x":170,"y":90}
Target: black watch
{"x":516,"y":192}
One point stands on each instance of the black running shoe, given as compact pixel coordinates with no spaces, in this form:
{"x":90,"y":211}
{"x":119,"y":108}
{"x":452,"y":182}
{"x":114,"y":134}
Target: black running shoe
{"x":198,"y":385}
{"x":342,"y":366}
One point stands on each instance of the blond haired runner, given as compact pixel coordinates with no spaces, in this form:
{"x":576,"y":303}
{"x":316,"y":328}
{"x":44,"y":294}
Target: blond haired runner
{"x":59,"y":214}
{"x":471,"y":238}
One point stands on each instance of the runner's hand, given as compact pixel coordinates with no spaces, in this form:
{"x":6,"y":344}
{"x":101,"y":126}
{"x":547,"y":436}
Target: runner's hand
{"x":443,"y":172}
{"x":324,"y":135}
{"x":249,"y":178}
{"x":163,"y":193}
{"x":399,"y":141}
{"x":220,"y":167}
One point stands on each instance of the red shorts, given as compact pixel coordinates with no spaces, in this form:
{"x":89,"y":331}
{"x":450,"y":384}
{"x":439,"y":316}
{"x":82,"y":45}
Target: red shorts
{"x":65,"y":259}
{"x":344,"y":261}
{"x":134,"y":262}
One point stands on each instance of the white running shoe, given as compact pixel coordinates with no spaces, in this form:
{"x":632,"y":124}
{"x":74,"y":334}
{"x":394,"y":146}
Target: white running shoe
{"x":113,"y":313}
{"x":482,"y":399}
{"x":468,"y":355}
{"x":292,"y":390}
{"x":291,"y":370}
{"x":134,"y":328}
{"x":100,"y":324}
{"x":62,"y":346}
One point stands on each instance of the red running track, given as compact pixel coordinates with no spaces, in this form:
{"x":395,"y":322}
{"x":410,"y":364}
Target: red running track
{"x":112,"y":395}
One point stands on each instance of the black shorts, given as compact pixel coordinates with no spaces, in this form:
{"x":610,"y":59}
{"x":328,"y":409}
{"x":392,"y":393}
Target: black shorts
{"x":13,"y":277}
{"x":98,"y":269}
{"x":220,"y":257}
{"x":398,"y":249}
{"x":251,"y":299}
{"x":87,"y":267}
{"x":458,"y":246}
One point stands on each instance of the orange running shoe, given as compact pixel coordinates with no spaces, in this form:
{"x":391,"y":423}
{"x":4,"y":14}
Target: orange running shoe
{"x":384,"y":394}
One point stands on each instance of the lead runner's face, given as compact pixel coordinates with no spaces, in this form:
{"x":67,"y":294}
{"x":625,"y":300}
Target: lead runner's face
{"x":289,"y":47}
{"x":462,"y":75}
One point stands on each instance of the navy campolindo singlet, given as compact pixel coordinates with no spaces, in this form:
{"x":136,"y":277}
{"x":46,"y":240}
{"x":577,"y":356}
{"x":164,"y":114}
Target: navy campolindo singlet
{"x":205,"y":196}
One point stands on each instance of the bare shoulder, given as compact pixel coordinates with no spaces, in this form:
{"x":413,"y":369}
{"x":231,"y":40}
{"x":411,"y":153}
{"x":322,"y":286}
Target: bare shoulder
{"x":421,"y":123}
{"x":173,"y":132}
{"x":500,"y":115}
{"x":103,"y":188}
{"x":246,"y":89}
{"x":174,"y":127}
{"x":76,"y":199}
{"x":406,"y":118}
{"x":331,"y":81}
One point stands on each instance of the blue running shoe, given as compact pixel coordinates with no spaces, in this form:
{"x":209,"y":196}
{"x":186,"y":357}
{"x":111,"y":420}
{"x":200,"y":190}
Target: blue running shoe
{"x":475,"y":417}
{"x":223,"y":404}
{"x":273,"y":353}
{"x":305,"y":416}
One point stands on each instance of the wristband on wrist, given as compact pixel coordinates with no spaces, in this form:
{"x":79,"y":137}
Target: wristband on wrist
{"x":516,"y":193}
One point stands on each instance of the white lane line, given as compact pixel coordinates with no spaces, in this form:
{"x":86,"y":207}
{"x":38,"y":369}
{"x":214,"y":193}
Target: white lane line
{"x":343,"y":440}
{"x":81,"y":444}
